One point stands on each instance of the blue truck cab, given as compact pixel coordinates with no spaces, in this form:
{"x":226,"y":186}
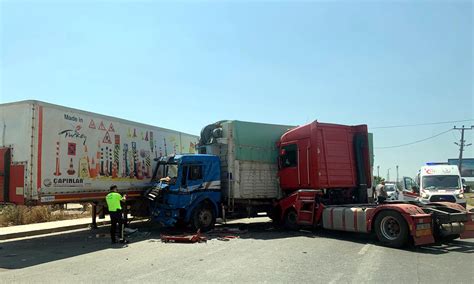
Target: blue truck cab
{"x":186,"y":189}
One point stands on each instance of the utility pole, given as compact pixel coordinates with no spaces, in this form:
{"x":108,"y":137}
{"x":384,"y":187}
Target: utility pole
{"x":462,"y":144}
{"x":388,"y":174}
{"x":397,"y":175}
{"x":378,"y":171}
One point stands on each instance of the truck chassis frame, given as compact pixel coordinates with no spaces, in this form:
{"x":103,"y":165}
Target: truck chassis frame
{"x":394,"y":223}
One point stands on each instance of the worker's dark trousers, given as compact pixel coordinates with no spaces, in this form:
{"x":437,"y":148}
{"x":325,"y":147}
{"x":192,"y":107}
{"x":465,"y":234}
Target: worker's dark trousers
{"x":116,"y":218}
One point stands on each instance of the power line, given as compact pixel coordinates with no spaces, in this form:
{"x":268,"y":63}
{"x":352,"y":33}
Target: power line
{"x":421,"y":124}
{"x":414,"y":142}
{"x":454,"y":135}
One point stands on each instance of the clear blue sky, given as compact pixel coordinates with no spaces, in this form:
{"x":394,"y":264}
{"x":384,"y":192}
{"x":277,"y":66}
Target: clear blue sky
{"x":182,"y":65}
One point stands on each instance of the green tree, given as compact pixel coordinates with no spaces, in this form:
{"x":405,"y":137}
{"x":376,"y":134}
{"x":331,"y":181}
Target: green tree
{"x":378,"y":179}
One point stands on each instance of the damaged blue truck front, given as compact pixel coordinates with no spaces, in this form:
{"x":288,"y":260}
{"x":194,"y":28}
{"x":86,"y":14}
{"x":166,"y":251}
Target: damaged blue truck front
{"x":187,"y":190}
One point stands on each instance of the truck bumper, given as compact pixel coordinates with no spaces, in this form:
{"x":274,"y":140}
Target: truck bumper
{"x":456,"y":200}
{"x":165,"y":217}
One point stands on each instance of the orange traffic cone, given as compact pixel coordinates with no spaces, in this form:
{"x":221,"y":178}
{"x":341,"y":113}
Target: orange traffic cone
{"x":71,"y":170}
{"x":57,"y":172}
{"x":114,"y":170}
{"x":139,"y":171}
{"x":93,"y":169}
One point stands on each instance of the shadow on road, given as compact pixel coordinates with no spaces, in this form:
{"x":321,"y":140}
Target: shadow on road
{"x":21,"y":253}
{"x":453,"y":246}
{"x":266,"y":231}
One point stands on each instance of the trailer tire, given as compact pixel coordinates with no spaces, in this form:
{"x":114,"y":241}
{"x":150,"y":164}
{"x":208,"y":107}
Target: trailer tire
{"x":290,"y":221}
{"x":391,"y":229}
{"x":203,"y":218}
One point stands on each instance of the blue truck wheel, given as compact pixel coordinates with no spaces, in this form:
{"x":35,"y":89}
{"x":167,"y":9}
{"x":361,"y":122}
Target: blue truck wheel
{"x":203,"y":218}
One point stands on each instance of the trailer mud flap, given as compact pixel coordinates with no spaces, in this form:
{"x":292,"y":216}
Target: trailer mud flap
{"x":5,"y":174}
{"x":17,"y":184}
{"x":421,"y":229}
{"x":468,"y":227}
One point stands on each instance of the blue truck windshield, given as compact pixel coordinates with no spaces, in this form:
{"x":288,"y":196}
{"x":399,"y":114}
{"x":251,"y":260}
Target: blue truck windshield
{"x":164,"y":170}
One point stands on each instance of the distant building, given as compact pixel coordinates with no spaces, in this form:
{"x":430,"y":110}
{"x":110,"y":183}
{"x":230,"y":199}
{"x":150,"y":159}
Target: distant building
{"x":437,"y":163}
{"x":467,"y":168}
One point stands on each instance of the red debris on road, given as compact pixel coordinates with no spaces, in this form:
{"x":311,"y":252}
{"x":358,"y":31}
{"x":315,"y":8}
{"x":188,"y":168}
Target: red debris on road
{"x":195,"y":238}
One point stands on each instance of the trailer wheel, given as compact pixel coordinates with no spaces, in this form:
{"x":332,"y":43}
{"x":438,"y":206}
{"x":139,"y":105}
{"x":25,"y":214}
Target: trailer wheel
{"x":291,"y":218}
{"x":203,"y":218}
{"x":391,"y":229}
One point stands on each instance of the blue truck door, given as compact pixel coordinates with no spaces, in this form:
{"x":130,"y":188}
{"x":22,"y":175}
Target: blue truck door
{"x":190,"y":187}
{"x":183,"y":187}
{"x":191,"y":183}
{"x":195,"y":177}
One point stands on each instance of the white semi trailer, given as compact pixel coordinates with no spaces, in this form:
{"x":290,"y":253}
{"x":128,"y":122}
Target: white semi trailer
{"x":54,"y":154}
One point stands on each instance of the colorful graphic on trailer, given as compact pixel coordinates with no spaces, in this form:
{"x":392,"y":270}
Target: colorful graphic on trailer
{"x":86,"y":150}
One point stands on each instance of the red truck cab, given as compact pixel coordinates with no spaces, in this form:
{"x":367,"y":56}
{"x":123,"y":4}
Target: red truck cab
{"x":324,"y":172}
{"x":328,"y":157}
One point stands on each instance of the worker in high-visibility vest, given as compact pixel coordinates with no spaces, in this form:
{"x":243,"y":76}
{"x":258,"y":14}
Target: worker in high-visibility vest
{"x":116,"y":217}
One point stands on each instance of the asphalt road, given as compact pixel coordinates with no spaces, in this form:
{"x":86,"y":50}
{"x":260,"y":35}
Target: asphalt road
{"x":262,"y":254}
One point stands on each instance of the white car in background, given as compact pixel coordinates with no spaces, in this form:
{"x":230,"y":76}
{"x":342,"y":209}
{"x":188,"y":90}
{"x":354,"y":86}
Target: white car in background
{"x":391,"y":189}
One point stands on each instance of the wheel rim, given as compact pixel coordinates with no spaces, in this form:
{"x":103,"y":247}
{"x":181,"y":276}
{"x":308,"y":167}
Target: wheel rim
{"x":390,"y":228}
{"x":205,"y":217}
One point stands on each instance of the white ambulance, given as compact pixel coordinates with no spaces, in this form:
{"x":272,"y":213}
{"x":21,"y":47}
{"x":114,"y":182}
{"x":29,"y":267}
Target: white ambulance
{"x":434,"y":183}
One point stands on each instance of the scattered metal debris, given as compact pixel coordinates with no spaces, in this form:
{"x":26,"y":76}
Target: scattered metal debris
{"x":227,"y":238}
{"x":221,"y":231}
{"x":194,"y":238}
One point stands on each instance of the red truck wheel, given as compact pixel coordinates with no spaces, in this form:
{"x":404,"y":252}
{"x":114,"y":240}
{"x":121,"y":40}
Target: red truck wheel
{"x":391,"y":229}
{"x":291,"y":218}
